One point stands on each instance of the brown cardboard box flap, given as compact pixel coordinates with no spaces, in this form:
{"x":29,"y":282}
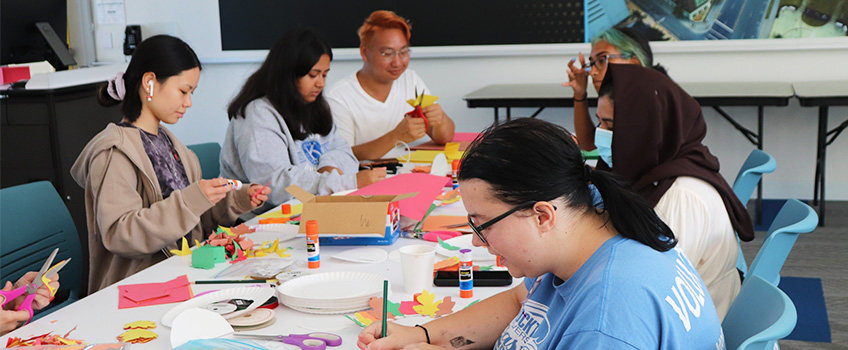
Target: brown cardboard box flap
{"x":302,"y":195}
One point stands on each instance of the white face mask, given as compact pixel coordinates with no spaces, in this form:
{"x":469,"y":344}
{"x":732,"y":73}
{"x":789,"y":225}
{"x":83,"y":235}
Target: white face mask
{"x":603,"y":141}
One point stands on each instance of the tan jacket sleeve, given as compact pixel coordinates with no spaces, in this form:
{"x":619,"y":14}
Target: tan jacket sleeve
{"x":228,"y":209}
{"x":129,"y":229}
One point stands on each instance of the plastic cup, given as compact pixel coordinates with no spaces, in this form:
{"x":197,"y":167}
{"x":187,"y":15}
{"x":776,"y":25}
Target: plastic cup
{"x":417,"y":264}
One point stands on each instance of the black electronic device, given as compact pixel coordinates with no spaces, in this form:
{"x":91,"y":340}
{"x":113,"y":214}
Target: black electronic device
{"x":489,"y":278}
{"x":391,"y":164}
{"x":62,"y":58}
{"x":132,"y":37}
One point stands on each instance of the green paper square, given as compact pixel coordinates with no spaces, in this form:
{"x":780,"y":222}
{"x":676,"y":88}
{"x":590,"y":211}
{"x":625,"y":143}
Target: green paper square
{"x":203,"y":258}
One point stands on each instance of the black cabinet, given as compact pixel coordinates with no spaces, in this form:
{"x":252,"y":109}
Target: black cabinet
{"x":41,"y":134}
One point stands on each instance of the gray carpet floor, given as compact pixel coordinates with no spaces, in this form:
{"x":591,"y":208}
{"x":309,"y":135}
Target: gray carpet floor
{"x":822,"y":253}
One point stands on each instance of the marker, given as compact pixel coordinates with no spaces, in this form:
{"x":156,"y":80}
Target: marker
{"x":260,"y":191}
{"x":312,"y":247}
{"x":466,"y":277}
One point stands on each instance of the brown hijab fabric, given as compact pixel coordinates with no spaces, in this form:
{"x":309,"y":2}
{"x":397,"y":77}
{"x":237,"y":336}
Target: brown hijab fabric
{"x":658,"y":130}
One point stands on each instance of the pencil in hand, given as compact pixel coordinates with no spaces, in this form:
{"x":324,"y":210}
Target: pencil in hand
{"x":385,"y":305}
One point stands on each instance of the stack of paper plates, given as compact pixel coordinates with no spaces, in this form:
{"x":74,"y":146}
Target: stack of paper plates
{"x":332,"y":292}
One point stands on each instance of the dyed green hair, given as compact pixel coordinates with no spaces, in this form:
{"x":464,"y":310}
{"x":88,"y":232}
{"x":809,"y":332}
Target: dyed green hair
{"x":629,"y":43}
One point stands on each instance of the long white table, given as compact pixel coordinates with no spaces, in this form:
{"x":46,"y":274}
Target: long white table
{"x":98,"y":319}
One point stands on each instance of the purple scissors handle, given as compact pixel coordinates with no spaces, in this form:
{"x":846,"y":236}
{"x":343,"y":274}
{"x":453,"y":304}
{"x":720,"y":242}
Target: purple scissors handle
{"x":314,"y":340}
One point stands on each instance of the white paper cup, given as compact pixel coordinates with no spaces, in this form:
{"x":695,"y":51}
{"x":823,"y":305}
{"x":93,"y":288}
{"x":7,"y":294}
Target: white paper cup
{"x":417,"y":263}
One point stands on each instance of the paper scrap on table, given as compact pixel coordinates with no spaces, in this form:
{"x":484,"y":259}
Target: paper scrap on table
{"x":427,"y":156}
{"x":140,"y":325}
{"x":427,"y":186}
{"x":137,"y":336}
{"x":445,"y":223}
{"x":423,"y":303}
{"x":296,"y":209}
{"x":146,"y":294}
{"x":185,"y":250}
{"x":447,"y":245}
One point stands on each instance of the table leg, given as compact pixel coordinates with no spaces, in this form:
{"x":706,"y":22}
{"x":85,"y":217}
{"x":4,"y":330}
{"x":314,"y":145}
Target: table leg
{"x":508,"y":114}
{"x":821,"y":157}
{"x":496,"y":116}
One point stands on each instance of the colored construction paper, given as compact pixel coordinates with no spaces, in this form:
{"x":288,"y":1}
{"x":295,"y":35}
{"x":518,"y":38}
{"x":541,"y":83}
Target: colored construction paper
{"x":425,"y":100}
{"x":445,"y":223}
{"x":427,"y":156}
{"x":428,"y":187}
{"x":296,"y":209}
{"x":464,"y":136}
{"x":146,"y":294}
{"x":203,"y":257}
{"x":184,"y":250}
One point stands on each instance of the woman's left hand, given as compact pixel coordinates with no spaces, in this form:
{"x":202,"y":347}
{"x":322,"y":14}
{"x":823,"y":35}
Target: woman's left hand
{"x":257,"y":200}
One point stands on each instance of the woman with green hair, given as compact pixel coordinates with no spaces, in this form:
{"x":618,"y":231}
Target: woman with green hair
{"x":614,"y":45}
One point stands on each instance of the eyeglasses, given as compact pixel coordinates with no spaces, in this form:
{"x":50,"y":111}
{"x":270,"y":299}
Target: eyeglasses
{"x":389,"y":54}
{"x":601,"y":61}
{"x":478,"y":230}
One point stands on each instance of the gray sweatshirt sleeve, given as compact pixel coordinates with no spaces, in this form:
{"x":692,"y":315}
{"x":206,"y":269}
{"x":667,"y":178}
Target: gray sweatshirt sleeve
{"x":264,"y":149}
{"x":339,"y":154}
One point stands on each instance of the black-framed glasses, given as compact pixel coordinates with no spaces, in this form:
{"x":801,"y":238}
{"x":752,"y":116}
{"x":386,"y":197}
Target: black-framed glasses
{"x":601,"y":61}
{"x":478,"y":230}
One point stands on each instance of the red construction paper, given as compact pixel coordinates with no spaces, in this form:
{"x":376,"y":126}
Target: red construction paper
{"x":428,"y":187}
{"x":146,"y":294}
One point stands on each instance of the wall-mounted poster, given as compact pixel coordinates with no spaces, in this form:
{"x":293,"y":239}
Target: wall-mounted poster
{"x":667,"y":20}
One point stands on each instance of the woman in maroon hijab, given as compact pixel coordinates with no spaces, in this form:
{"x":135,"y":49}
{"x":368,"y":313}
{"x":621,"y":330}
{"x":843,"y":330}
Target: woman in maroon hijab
{"x":651,"y":134}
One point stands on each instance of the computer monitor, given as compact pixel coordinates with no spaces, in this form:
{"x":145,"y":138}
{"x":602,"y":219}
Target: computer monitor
{"x":34,"y":30}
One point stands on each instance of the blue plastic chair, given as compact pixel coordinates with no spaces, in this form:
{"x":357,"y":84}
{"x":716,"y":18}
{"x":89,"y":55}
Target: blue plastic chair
{"x":33,"y":221}
{"x":209,"y":154}
{"x":793,"y":219}
{"x":760,"y":315}
{"x":757,"y":164}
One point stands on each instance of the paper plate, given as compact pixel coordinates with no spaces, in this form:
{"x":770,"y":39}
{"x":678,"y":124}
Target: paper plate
{"x":283,"y":232}
{"x":464,"y":242}
{"x":367,"y":255}
{"x":332,"y":286}
{"x":258,"y":294}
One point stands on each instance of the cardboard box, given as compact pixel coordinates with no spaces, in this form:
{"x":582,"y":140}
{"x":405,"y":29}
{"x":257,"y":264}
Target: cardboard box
{"x":351,"y":216}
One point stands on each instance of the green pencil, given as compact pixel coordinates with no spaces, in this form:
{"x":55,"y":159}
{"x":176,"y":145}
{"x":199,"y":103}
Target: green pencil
{"x":385,"y":304}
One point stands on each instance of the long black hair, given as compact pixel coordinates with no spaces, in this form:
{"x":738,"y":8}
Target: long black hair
{"x":291,"y":57}
{"x":529,"y":159}
{"x":165,"y":56}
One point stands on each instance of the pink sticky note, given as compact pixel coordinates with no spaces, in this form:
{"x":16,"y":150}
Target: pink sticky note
{"x":145,"y":294}
{"x":428,"y":188}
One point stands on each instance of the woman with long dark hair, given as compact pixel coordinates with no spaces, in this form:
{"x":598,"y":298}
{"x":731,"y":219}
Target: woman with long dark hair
{"x":593,"y":278}
{"x":143,"y":187}
{"x":281,"y":130}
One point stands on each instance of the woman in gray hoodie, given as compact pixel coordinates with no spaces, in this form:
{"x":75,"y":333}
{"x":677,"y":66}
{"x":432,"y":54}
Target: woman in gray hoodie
{"x":281,"y":130}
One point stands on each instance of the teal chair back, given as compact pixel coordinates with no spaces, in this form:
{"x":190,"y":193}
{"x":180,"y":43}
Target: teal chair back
{"x":33,"y":221}
{"x":793,"y":219}
{"x":209,"y":154}
{"x":760,"y":315}
{"x":757,"y":164}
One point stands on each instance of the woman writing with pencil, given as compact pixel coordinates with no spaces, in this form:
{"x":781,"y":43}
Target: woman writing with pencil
{"x":281,"y":129}
{"x":143,"y":191}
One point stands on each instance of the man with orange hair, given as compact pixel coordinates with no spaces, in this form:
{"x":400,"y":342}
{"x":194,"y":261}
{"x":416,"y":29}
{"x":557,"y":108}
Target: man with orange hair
{"x":369,"y":107}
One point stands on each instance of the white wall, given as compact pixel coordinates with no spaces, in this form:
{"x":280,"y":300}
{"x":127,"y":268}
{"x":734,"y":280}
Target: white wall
{"x":790,"y":132}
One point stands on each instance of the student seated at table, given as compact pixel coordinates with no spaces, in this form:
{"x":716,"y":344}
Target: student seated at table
{"x":593,"y":278}
{"x":10,"y":319}
{"x":656,"y":143}
{"x":281,"y":130}
{"x":614,"y":45}
{"x":143,"y":190}
{"x":370,"y":107}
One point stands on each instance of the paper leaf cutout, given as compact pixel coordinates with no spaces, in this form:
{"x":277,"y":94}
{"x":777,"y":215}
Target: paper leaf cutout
{"x":407,"y":308}
{"x":363,"y":319}
{"x":184,"y":251}
{"x":242,"y":229}
{"x":446,"y":245}
{"x":445,"y":307}
{"x":446,"y":263}
{"x":428,"y":306}
{"x":140,"y":325}
{"x":377,"y":304}
{"x":137,"y":336}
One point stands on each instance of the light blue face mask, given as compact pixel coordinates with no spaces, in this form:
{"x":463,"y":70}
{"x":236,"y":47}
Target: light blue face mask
{"x":603,"y":141}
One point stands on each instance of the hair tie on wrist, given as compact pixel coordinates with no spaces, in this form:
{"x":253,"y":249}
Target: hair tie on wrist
{"x":116,"y":88}
{"x":585,"y":96}
{"x":426,"y":333}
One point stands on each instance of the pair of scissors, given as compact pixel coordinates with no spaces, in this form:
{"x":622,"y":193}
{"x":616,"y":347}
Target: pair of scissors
{"x":417,"y":112}
{"x":42,"y":278}
{"x":308,"y":341}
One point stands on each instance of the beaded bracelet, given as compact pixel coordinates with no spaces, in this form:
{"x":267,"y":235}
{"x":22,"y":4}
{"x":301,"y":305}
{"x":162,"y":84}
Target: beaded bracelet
{"x":426,"y":333}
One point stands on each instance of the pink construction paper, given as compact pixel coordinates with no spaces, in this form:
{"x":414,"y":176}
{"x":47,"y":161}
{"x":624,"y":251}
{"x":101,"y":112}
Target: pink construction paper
{"x":406,"y":307}
{"x":146,"y":294}
{"x":464,"y":136}
{"x":428,"y":188}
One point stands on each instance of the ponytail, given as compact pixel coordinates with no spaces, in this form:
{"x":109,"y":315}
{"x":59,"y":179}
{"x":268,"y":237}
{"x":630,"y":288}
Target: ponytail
{"x":631,"y":214}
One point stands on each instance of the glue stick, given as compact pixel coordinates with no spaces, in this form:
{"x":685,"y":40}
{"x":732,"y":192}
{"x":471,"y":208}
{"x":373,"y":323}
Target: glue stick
{"x":235,"y":184}
{"x":454,"y":169}
{"x":314,"y":258}
{"x":466,"y":278}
